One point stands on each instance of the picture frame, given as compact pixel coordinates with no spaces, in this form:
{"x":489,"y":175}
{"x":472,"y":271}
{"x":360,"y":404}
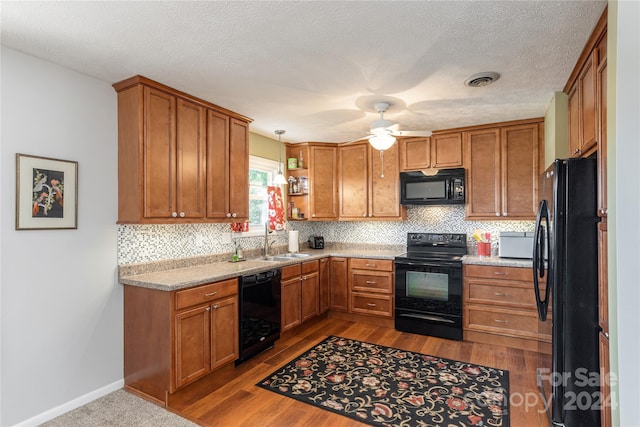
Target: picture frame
{"x":46,"y":193}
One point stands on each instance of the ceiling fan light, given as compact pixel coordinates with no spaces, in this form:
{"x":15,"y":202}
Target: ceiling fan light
{"x":382,"y":141}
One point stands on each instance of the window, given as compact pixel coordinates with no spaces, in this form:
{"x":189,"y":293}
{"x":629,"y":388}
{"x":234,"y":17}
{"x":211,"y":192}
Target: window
{"x":261,"y":173}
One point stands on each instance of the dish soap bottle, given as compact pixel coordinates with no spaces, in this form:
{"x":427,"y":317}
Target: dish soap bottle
{"x":301,"y":161}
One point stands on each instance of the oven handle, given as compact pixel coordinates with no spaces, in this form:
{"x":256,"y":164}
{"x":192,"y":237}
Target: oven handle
{"x":428,"y":317}
{"x":427,"y":264}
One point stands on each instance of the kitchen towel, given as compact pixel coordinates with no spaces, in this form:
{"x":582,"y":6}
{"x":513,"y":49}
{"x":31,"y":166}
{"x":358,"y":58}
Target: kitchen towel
{"x":293,"y":241}
{"x":276,"y":208}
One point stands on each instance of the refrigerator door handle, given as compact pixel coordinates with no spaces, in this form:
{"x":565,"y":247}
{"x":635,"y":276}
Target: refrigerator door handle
{"x":538,"y":258}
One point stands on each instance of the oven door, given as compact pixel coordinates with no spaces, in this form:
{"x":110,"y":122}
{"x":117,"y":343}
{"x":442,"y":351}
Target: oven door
{"x":428,"y":298}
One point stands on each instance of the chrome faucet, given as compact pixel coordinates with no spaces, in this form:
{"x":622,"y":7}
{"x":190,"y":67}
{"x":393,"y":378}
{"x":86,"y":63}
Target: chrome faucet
{"x":265,"y":249}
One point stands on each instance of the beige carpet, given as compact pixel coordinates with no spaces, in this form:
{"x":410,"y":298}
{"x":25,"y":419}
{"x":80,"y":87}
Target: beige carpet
{"x":119,"y":409}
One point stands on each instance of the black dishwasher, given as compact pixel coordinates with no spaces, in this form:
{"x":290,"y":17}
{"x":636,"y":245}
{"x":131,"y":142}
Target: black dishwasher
{"x":259,"y":312}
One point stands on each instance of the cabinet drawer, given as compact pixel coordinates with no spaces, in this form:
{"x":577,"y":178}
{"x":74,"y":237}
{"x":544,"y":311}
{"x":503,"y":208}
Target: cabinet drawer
{"x":481,"y":291}
{"x":205,"y":293}
{"x":379,"y":305}
{"x":372,"y":282}
{"x":310,"y":266}
{"x":371,"y":264}
{"x":493,"y":272}
{"x":291,"y":271}
{"x":499,"y":321}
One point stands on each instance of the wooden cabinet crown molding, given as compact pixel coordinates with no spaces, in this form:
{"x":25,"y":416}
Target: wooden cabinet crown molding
{"x":141,"y":80}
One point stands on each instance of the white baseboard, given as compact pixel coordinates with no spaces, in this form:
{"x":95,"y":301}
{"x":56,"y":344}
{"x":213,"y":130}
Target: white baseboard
{"x":71,"y":405}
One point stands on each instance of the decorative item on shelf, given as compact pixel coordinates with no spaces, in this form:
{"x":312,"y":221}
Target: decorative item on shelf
{"x":294,"y":213}
{"x":300,"y":161}
{"x":292,"y":163}
{"x":293,"y":185}
{"x":279,"y":179}
{"x":290,"y":210}
{"x":303,"y":184}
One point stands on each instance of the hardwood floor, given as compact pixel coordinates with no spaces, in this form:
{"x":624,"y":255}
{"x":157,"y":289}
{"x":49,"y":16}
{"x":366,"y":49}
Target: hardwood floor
{"x":236,"y":400}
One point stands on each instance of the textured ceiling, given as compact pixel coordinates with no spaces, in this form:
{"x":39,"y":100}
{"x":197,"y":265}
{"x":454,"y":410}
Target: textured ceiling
{"x":315,"y":68}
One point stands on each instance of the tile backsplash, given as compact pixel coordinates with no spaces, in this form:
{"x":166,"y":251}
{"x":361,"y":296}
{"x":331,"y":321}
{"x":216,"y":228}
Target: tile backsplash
{"x":144,"y":243}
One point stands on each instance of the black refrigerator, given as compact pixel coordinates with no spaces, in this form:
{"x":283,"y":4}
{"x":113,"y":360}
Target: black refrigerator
{"x":566,"y":253}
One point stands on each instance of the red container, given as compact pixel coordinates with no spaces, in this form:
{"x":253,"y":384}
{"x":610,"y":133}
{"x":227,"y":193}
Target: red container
{"x":484,"y":249}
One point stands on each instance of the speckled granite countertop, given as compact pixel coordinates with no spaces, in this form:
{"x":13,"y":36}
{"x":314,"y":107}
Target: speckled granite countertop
{"x":160,"y":275}
{"x":497,"y":261}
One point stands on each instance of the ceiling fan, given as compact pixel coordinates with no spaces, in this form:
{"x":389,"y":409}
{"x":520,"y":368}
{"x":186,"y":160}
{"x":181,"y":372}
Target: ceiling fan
{"x":383,"y":132}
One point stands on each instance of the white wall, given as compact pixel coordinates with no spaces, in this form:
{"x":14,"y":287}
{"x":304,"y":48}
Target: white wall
{"x":624,"y":212}
{"x":61,"y":305}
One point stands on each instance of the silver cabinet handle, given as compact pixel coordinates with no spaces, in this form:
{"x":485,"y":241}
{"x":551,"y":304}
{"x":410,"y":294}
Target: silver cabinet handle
{"x":208,"y":308}
{"x":181,"y":214}
{"x":364,"y":214}
{"x":210,"y":294}
{"x":501,"y":294}
{"x":500,"y":273}
{"x":501,"y":321}
{"x":370,"y":304}
{"x":497,"y":213}
{"x":234,"y":214}
{"x":370,"y":265}
{"x":228,"y":214}
{"x":174,"y":214}
{"x":504,"y":214}
{"x":370,"y":282}
{"x":313,"y":215}
{"x":215,"y":306}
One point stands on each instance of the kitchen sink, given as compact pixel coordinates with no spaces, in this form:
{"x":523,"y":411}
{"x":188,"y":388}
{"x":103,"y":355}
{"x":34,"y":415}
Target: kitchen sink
{"x":283,"y":257}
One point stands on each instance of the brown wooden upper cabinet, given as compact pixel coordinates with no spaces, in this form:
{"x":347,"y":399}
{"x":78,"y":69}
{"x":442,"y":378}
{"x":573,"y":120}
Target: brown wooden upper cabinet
{"x":168,"y":143}
{"x":369,"y":182}
{"x":320,"y":200}
{"x":502,"y":171}
{"x":436,"y":152}
{"x":583,"y":120}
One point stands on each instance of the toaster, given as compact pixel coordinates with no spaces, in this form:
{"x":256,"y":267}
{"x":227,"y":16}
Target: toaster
{"x":316,"y":242}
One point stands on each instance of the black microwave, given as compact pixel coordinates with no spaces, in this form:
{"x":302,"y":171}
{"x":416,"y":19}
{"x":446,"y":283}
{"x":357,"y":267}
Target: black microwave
{"x":445,"y":187}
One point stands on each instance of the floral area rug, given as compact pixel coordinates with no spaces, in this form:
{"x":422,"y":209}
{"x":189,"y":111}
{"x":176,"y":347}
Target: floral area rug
{"x":384,"y":386}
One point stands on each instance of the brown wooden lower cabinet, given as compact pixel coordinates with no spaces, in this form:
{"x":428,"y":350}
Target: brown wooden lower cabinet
{"x":300,"y":293}
{"x":499,"y":308}
{"x":338,"y":287}
{"x":173,"y":338}
{"x":371,"y":286}
{"x":605,"y":386}
{"x":324,"y":278}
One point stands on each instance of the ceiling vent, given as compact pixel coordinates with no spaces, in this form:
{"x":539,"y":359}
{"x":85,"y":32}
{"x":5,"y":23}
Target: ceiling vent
{"x":482,"y":79}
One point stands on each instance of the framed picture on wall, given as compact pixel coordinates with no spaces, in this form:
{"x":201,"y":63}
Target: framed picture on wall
{"x":46,"y":193}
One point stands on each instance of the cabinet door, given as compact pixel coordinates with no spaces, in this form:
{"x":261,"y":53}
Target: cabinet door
{"x":239,"y":169}
{"x":446,"y":150}
{"x":588,"y":112}
{"x":191,"y":157}
{"x":353,"y":181}
{"x":224,"y":331}
{"x":192,"y":344}
{"x":339,"y":289}
{"x":217,"y":165}
{"x":603,"y":281}
{"x":605,"y":385}
{"x":519,"y":171}
{"x":291,"y":297}
{"x":309,"y":296}
{"x":159,"y":154}
{"x":323,"y":192}
{"x":574,"y":121}
{"x":324,"y":278}
{"x":602,"y":132}
{"x":483,"y":186}
{"x":415,"y":154}
{"x":385,"y":185}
